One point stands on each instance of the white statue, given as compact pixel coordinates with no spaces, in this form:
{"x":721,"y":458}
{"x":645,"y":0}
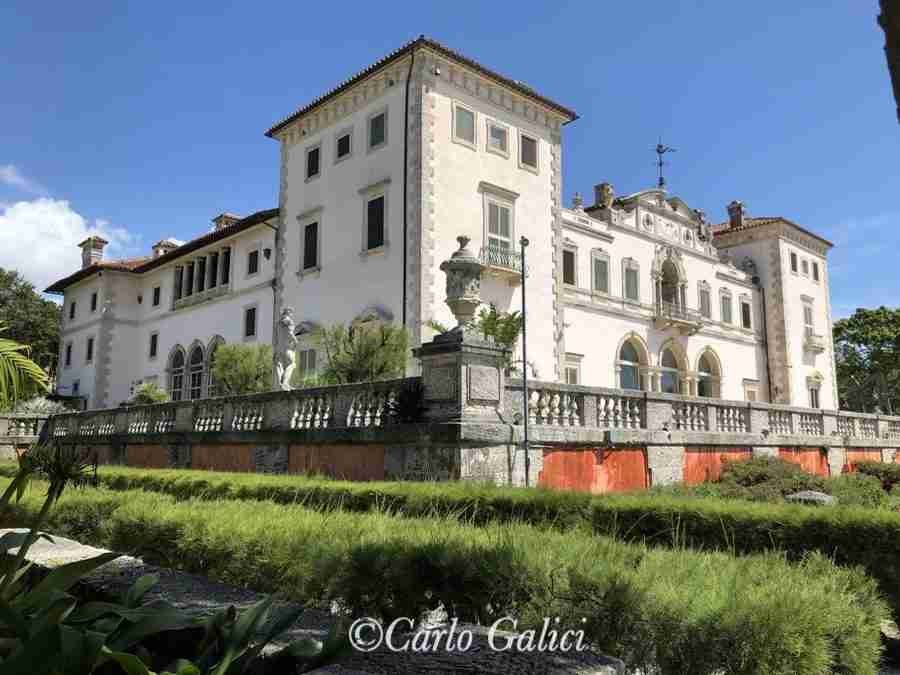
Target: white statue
{"x":285,"y":349}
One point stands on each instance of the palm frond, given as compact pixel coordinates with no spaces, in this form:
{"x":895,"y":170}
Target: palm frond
{"x":19,"y":375}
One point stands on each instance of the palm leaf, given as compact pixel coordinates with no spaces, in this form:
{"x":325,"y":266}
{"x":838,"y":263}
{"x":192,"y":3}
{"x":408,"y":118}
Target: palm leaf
{"x":19,"y":375}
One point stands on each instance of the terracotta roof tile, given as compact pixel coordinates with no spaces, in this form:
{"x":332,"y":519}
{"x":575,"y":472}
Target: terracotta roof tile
{"x":399,"y":53}
{"x":759,"y":221}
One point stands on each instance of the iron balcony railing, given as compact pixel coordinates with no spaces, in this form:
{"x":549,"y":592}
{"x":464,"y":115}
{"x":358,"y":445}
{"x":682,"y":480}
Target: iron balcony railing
{"x":508,"y":259}
{"x":675,"y":312}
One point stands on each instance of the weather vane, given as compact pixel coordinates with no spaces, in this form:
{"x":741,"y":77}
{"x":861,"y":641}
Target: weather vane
{"x":660,"y":151}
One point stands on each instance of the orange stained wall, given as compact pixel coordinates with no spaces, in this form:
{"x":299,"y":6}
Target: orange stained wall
{"x":350,"y":462}
{"x":594,"y":469}
{"x":812,"y":460}
{"x":221,"y":457}
{"x":855,"y":455}
{"x":147,"y":456}
{"x":705,"y":464}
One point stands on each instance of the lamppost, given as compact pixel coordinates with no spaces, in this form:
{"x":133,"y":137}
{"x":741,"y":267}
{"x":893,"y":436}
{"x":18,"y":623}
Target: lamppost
{"x":523,"y":243}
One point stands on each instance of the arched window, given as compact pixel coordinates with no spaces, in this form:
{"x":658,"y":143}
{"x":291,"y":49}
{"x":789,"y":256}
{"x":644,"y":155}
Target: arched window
{"x":212,"y":387}
{"x":670,"y":379}
{"x":196,"y":364}
{"x":669,"y":284}
{"x":629,"y":367}
{"x":708,"y":375}
{"x":176,"y":374}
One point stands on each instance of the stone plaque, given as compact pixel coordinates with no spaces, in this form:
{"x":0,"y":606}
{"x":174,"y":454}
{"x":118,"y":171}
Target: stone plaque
{"x":484,"y":384}
{"x":440,"y":385}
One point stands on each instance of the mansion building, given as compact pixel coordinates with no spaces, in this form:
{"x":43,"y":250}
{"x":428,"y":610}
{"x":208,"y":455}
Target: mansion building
{"x":380,"y":175}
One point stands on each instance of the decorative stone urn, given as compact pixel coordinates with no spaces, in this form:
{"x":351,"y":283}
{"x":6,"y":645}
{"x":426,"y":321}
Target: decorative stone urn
{"x":463,"y":271}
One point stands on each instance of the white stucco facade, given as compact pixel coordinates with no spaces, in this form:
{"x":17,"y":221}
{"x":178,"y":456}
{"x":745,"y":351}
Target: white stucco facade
{"x":379,"y":177}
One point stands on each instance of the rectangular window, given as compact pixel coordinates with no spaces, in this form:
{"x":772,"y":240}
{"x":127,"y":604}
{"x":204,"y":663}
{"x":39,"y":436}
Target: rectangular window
{"x":750,"y":394}
{"x":804,"y":265}
{"x":375,"y":223}
{"x":94,"y":301}
{"x":815,"y":271}
{"x":746,"y":316}
{"x":72,"y":311}
{"x":226,"y":266}
{"x":377,"y":130}
{"x":601,"y":275}
{"x":154,"y":344}
{"x":499,"y":226}
{"x":89,"y":354}
{"x":68,"y":354}
{"x":813,"y":397}
{"x":213,"y":270}
{"x":179,"y":280}
{"x":808,"y":323}
{"x":343,"y":146}
{"x":705,"y":304}
{"x":569,"y":276}
{"x":252,"y":262}
{"x":463,"y":125}
{"x":528,"y":151}
{"x":498,"y":139}
{"x":156,"y":295}
{"x":726,"y":308}
{"x":793,"y":262}
{"x":189,"y":280}
{"x":571,"y":374}
{"x":201,"y":275}
{"x":76,"y":387}
{"x":312,"y":162}
{"x":250,"y":322}
{"x":631,"y":284}
{"x":311,"y":246}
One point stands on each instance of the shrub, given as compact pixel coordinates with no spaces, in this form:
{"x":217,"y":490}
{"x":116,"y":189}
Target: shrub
{"x":41,"y":405}
{"x":768,"y":477}
{"x":148,"y":392}
{"x":243,"y":369}
{"x":362,"y":352}
{"x":856,"y":489}
{"x":662,"y":611}
{"x":888,"y":474}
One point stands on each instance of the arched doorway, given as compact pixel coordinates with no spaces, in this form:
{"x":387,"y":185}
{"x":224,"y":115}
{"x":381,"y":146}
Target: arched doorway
{"x":708,"y":376}
{"x":669,"y":283}
{"x":670,"y":373}
{"x":631,"y":364}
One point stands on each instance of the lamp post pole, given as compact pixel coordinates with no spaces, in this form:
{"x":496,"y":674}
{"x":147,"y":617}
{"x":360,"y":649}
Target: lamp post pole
{"x":523,"y":243}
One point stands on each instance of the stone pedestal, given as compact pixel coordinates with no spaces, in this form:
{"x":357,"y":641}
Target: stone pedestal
{"x":463,"y":376}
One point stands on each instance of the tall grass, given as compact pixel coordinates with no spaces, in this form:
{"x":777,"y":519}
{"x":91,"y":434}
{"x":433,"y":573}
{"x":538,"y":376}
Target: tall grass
{"x":663,"y":611}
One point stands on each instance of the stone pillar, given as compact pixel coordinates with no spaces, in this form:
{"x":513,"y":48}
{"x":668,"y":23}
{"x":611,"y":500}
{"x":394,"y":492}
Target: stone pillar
{"x":829,"y":423}
{"x":666,"y":464}
{"x":184,"y":416}
{"x":836,"y":459}
{"x":767,"y":451}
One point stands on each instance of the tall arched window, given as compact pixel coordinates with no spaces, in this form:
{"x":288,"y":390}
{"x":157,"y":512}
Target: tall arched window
{"x":669,"y":284}
{"x":212,"y":387}
{"x":670,"y":379}
{"x":196,"y":364}
{"x":708,"y":376}
{"x":176,"y":374}
{"x":629,"y":367}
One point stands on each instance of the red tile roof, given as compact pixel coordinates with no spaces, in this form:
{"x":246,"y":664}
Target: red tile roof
{"x":397,"y":54}
{"x":759,"y":221}
{"x":142,"y":264}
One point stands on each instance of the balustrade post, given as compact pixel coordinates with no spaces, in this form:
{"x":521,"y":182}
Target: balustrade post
{"x":883,"y":427}
{"x":829,"y":423}
{"x":660,"y":413}
{"x":228,"y":415}
{"x":184,"y":415}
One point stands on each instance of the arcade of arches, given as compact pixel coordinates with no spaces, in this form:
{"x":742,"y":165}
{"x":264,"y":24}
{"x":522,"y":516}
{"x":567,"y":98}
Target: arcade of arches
{"x":671,"y":374}
{"x":190,"y":371}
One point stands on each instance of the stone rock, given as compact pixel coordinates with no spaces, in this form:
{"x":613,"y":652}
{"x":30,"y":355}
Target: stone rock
{"x":812,"y":497}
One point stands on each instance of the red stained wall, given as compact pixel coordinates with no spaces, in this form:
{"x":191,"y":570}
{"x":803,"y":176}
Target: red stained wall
{"x":705,"y":464}
{"x":147,"y":456}
{"x":595,"y":470}
{"x":812,"y":460}
{"x":235,"y":457}
{"x":350,"y":462}
{"x":855,"y":455}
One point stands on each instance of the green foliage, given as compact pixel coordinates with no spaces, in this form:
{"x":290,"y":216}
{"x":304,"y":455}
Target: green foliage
{"x":20,"y":377}
{"x":30,"y":319}
{"x":856,"y":489}
{"x":243,"y":369}
{"x":867,"y":355}
{"x":887,"y":473}
{"x":362,"y":352}
{"x":148,"y":392}
{"x":40,"y":405}
{"x":503,"y":327}
{"x":685,"y":611}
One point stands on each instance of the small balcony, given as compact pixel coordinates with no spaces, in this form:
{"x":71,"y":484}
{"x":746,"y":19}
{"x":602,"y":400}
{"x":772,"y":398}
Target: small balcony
{"x":672,"y":315}
{"x":502,"y":263}
{"x":812,"y":342}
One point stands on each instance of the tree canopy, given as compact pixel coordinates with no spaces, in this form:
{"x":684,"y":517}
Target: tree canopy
{"x":361,"y":352}
{"x":29,"y":318}
{"x":867,"y":355}
{"x":243,"y":369}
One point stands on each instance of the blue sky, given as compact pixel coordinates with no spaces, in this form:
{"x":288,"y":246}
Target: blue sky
{"x":145,"y":120}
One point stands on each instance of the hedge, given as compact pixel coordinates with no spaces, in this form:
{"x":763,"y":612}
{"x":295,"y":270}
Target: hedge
{"x":663,"y":611}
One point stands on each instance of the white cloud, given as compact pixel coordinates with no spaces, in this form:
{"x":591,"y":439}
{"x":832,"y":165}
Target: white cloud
{"x":11,"y":176}
{"x":40,"y":238}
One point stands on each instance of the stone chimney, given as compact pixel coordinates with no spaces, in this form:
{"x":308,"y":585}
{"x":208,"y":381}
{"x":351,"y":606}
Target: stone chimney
{"x":225,"y":220}
{"x":92,"y":250}
{"x":163,"y":246}
{"x":736,"y":214}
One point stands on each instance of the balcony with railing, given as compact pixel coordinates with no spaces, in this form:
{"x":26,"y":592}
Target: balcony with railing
{"x":675,"y":315}
{"x":813,"y":342}
{"x":501,"y":263}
